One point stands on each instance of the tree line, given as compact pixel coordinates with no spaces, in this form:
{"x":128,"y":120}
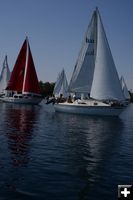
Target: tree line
{"x":131,"y":95}
{"x":46,"y":88}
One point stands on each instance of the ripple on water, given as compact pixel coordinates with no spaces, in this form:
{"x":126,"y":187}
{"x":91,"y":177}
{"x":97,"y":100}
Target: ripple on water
{"x":48,"y":155}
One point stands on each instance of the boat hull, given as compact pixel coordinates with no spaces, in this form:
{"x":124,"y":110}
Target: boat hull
{"x":31,"y":101}
{"x":88,"y":110}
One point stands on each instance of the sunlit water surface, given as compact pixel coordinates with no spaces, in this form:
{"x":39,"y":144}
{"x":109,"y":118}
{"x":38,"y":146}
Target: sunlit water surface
{"x":54,"y":156}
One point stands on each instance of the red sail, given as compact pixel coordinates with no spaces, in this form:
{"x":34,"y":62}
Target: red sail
{"x":31,"y":81}
{"x":17,"y":76}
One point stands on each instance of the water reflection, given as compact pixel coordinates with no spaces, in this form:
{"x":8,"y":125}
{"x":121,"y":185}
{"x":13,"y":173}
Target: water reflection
{"x":93,"y":143}
{"x":72,"y":156}
{"x":20,"y":120}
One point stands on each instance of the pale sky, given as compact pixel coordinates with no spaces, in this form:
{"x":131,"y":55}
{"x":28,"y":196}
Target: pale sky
{"x":56,"y":29}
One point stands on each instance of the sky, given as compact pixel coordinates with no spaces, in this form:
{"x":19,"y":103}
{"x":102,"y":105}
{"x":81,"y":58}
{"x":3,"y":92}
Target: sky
{"x":56,"y":29}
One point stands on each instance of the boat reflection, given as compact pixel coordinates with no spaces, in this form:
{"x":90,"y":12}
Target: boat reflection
{"x":20,"y":120}
{"x":93,"y":142}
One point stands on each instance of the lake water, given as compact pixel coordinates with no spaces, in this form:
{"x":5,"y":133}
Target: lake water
{"x":55,"y":156}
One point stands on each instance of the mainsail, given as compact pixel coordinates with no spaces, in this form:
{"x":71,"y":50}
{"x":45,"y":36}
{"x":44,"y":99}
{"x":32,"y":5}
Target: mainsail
{"x":95,"y":72}
{"x":61,"y":85}
{"x":124,"y":88}
{"x":82,"y":77}
{"x":23,"y":78}
{"x":5,"y":75}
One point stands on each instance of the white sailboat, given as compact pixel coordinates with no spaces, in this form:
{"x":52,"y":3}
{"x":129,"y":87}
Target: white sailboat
{"x":4,"y":77}
{"x":23,"y":86}
{"x":95,"y":76}
{"x":124,"y":88}
{"x":61,"y":85}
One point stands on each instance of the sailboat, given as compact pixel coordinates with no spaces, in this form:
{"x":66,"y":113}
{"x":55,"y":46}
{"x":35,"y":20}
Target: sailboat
{"x":124,"y":88}
{"x":95,"y":76}
{"x":61,"y":85}
{"x":23,"y":86}
{"x":4,"y":77}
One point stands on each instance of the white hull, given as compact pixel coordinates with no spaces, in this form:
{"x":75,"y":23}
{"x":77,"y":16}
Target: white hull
{"x":32,"y":100}
{"x":75,"y":108}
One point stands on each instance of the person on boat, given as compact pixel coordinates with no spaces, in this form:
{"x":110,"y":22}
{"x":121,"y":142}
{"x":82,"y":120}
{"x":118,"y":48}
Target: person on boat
{"x":74,"y":97}
{"x":47,"y":99}
{"x":61,"y":99}
{"x":51,"y":100}
{"x":69,"y":100}
{"x":116,"y":104}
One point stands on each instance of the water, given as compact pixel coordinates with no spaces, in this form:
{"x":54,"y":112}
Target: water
{"x":53,"y":156}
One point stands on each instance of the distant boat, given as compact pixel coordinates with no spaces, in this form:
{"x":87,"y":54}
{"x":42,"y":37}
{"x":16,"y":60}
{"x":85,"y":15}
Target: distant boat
{"x":95,"y":76}
{"x":124,"y":88}
{"x":4,"y":77}
{"x":23,"y":86}
{"x":61,"y":85}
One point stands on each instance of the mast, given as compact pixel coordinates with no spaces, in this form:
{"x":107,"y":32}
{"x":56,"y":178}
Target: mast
{"x":26,"y":63}
{"x":30,"y":84}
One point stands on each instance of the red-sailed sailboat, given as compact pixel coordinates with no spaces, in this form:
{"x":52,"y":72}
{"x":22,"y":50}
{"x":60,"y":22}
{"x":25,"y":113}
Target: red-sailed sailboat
{"x":23,"y":86}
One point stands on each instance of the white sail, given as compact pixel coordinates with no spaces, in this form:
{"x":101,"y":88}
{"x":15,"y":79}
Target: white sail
{"x":82,"y":77}
{"x":61,"y":85}
{"x":95,"y":74}
{"x":106,"y":84}
{"x":124,"y":88}
{"x":4,"y":77}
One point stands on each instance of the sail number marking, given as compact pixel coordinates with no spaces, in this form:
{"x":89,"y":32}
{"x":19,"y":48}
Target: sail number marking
{"x":88,"y":40}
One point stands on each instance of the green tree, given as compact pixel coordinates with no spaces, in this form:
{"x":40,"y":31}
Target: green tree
{"x":46,"y":88}
{"x":131,"y":95}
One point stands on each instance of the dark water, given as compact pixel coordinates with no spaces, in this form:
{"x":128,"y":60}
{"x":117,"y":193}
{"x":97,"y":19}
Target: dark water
{"x":50,"y":156}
